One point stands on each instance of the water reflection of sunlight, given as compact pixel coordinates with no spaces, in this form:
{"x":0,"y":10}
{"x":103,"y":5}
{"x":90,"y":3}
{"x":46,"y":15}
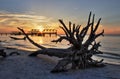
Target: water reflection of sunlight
{"x":40,"y":41}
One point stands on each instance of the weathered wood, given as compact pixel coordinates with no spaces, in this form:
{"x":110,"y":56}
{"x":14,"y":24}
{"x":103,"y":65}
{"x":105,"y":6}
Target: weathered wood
{"x":15,"y":38}
{"x":79,"y":54}
{"x":61,"y":65}
{"x":2,"y":53}
{"x":61,"y":53}
{"x":14,"y":53}
{"x":37,"y":45}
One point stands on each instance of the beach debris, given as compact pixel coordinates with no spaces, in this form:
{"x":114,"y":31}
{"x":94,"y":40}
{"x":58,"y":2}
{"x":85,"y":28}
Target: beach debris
{"x":2,"y":53}
{"x":15,"y":38}
{"x":9,"y":48}
{"x":14,"y":53}
{"x":80,"y":53}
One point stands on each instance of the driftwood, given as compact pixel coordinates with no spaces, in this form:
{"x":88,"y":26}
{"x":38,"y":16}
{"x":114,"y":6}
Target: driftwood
{"x":61,"y":53}
{"x":14,"y":53}
{"x":2,"y":53}
{"x":15,"y":38}
{"x":80,"y":53}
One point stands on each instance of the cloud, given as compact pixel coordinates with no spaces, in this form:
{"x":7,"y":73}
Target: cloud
{"x":25,"y":17}
{"x":25,"y":20}
{"x":3,"y":20}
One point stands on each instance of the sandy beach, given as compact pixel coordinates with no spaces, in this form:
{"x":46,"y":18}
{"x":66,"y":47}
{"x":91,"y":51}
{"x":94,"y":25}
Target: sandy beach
{"x":24,"y":67}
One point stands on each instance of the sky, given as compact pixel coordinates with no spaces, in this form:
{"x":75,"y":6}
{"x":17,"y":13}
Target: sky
{"x":40,"y":14}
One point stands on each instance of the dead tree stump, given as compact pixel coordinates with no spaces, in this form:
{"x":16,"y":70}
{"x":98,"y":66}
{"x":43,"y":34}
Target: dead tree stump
{"x":80,"y":53}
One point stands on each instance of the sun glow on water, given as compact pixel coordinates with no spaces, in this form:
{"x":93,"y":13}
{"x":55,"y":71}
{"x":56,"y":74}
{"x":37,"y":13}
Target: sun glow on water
{"x":41,"y":41}
{"x":41,"y":28}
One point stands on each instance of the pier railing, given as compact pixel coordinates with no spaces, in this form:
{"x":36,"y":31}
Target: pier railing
{"x":49,"y":32}
{"x":35,"y":32}
{"x":4,"y":34}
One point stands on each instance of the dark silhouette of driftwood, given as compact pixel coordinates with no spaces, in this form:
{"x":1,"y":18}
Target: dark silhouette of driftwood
{"x":39,"y":46}
{"x":15,"y":38}
{"x":14,"y":53}
{"x":2,"y":53}
{"x":80,"y":53}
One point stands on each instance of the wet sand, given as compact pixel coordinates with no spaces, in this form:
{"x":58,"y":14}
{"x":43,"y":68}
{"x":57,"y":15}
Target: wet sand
{"x":24,"y":67}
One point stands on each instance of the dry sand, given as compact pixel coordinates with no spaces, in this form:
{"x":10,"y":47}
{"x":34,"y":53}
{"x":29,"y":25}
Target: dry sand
{"x":25,"y":67}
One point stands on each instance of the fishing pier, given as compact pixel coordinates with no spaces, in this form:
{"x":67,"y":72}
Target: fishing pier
{"x":49,"y":32}
{"x":4,"y":34}
{"x":45,"y":32}
{"x":35,"y":32}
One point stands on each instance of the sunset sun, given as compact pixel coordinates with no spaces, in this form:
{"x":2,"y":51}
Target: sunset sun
{"x":41,"y":28}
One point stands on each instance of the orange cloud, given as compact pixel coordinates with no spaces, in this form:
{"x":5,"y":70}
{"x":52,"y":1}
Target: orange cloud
{"x":112,"y":30}
{"x":10,"y":21}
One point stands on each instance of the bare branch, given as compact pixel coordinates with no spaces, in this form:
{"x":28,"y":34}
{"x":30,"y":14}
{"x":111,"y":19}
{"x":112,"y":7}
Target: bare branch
{"x":61,"y":38}
{"x":66,"y":33}
{"x":92,"y":23}
{"x":85,"y":30}
{"x":89,"y":19}
{"x":64,"y":25}
{"x":96,"y":27}
{"x":39,"y":46}
{"x":95,"y":46}
{"x":77,"y":30}
{"x":70,"y":26}
{"x":73,"y":30}
{"x":102,"y":33}
{"x":70,"y":34}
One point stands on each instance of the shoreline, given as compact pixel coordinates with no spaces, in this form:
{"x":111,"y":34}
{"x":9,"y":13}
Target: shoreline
{"x":24,"y":67}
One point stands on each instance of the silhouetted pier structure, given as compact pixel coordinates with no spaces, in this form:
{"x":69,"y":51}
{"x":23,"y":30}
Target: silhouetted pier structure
{"x":49,"y":32}
{"x":4,"y":34}
{"x":34,"y":32}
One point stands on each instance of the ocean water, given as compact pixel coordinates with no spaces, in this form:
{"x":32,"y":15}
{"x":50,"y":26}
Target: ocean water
{"x":110,"y":44}
{"x":6,"y":41}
